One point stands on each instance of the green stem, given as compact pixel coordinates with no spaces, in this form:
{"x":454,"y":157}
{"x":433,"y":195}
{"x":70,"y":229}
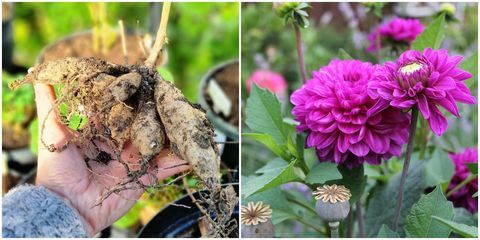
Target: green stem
{"x":298,"y":218}
{"x":303,"y":166}
{"x":377,"y":42}
{"x":334,"y":229}
{"x":301,"y":62}
{"x":463,"y":183}
{"x":406,"y":164}
{"x":293,"y":200}
{"x":361,"y":225}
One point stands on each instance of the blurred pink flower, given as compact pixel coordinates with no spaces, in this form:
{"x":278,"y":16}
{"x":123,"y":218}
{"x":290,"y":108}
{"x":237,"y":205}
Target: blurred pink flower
{"x":332,"y":108}
{"x":398,"y":31}
{"x":429,"y":79}
{"x":269,"y":80}
{"x":463,"y":196}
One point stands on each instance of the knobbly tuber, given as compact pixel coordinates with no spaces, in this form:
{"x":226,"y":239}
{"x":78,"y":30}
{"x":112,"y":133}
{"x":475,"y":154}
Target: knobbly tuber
{"x":133,"y":103}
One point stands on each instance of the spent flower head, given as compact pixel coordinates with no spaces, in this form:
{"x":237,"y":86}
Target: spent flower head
{"x":332,"y":193}
{"x":255,"y":213}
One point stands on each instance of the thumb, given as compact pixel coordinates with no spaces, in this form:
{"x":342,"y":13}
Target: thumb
{"x":51,"y":130}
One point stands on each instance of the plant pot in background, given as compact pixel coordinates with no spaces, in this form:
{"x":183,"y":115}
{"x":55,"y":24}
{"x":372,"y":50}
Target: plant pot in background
{"x":177,"y":221}
{"x":226,"y":76}
{"x":80,"y":45}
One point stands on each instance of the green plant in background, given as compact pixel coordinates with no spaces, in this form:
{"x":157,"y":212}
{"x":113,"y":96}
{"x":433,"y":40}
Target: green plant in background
{"x":17,"y":105}
{"x":103,"y":36}
{"x":193,"y":48}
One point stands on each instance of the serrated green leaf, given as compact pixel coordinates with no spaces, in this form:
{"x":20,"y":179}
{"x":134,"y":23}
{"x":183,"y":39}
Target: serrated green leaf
{"x":471,"y":64}
{"x":419,"y":222}
{"x":264,"y":114}
{"x":344,"y":55}
{"x":386,"y":232}
{"x":472,"y":167}
{"x":463,"y":216}
{"x":323,"y":172}
{"x":354,"y":179}
{"x":383,"y":200}
{"x":432,"y":36}
{"x":76,"y":122}
{"x":439,"y":168}
{"x":267,"y":140}
{"x":275,"y":176}
{"x":461,"y":229}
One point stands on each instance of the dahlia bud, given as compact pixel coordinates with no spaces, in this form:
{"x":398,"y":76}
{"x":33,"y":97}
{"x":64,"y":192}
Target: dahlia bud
{"x":294,"y":11}
{"x":449,"y":10}
{"x":256,"y":219}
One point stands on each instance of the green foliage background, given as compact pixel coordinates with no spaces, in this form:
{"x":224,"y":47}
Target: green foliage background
{"x":200,"y":34}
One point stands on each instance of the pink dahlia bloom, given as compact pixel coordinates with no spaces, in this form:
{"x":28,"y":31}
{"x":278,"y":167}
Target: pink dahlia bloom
{"x":332,"y":108}
{"x":429,"y":79}
{"x":398,"y":31}
{"x":270,"y":80}
{"x":463,"y":197}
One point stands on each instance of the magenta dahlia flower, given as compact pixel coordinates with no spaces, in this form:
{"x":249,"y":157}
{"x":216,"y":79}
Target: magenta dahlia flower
{"x":429,"y":79}
{"x":332,"y":108}
{"x":397,"y":32}
{"x":269,"y":80}
{"x":463,"y":196}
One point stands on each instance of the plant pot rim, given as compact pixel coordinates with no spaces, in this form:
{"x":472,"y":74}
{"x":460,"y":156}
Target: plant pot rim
{"x":69,"y":37}
{"x":222,"y":125}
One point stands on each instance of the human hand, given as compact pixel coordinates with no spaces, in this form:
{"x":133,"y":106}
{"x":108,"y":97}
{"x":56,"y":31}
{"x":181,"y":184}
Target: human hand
{"x":67,"y":174}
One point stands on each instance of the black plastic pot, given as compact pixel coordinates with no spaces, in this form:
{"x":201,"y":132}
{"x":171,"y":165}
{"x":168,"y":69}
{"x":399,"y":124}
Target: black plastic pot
{"x":219,"y":123}
{"x":176,"y":221}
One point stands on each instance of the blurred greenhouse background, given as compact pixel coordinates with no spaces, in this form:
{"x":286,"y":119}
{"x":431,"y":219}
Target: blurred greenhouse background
{"x":269,"y":44}
{"x":200,"y":36}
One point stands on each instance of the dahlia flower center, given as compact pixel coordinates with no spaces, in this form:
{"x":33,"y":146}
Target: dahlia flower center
{"x":411,"y":68}
{"x":413,"y":77}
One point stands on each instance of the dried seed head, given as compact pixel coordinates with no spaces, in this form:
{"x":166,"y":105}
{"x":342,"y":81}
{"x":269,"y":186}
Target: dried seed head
{"x":255,"y":213}
{"x":332,"y":194}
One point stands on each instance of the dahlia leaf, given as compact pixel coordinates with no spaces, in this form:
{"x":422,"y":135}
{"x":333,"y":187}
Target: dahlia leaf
{"x":344,"y":55}
{"x":274,"y":174}
{"x":323,"y":172}
{"x":264,"y":114}
{"x":383,"y":200}
{"x":462,"y":229}
{"x":471,"y":65}
{"x":439,"y":169}
{"x":354,"y":179}
{"x":472,"y":167}
{"x":432,"y":36}
{"x":419,"y":222}
{"x":268,"y":141}
{"x":386,"y":232}
{"x":463,"y":216}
